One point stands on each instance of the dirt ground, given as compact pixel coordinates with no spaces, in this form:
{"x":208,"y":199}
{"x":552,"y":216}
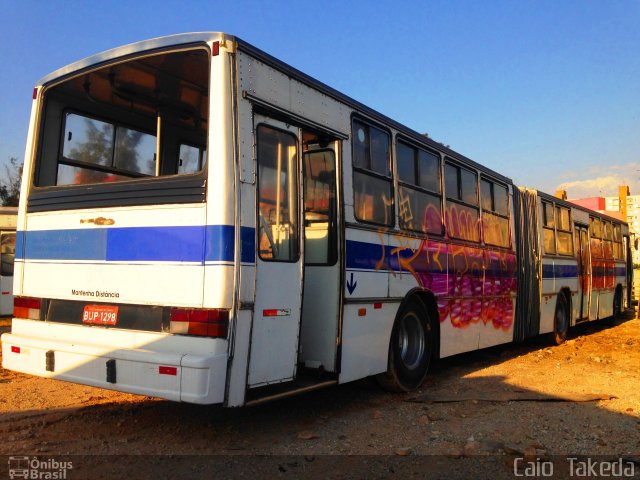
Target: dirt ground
{"x":475,"y":414}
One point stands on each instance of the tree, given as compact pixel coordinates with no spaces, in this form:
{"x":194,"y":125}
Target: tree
{"x":10,"y":185}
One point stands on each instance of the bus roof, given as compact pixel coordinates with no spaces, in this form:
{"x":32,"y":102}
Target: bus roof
{"x":132,"y":49}
{"x":202,"y":37}
{"x":370,"y":112}
{"x":575,"y":206}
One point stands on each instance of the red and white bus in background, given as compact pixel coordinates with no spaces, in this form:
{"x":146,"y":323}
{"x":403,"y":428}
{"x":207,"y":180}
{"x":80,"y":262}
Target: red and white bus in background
{"x":223,"y":228}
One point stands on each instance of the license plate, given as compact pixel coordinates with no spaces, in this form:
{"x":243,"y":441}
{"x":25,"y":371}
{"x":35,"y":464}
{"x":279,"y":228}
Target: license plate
{"x":100,"y":314}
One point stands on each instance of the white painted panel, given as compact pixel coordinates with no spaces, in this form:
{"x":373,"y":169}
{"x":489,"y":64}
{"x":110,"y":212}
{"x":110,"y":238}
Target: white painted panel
{"x":179,"y":285}
{"x":547,"y":312}
{"x":274,"y":339}
{"x":454,"y":340}
{"x":401,"y":283}
{"x":276,"y":88}
{"x":320,"y":316}
{"x":606,"y":304}
{"x":218,"y":286}
{"x":142,"y":216}
{"x":365,"y":340}
{"x":366,"y":284}
{"x":548,"y":283}
{"x":371,"y":280}
{"x":491,"y":335}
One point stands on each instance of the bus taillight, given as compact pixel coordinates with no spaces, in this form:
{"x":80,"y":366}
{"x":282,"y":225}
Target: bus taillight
{"x":202,"y":322}
{"x":27,"y":307}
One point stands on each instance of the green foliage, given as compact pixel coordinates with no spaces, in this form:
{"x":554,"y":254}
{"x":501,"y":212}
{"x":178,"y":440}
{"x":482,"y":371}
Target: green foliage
{"x":10,"y":185}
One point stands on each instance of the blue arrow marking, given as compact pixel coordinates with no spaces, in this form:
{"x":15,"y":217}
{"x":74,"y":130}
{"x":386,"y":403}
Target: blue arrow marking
{"x":351,"y":285}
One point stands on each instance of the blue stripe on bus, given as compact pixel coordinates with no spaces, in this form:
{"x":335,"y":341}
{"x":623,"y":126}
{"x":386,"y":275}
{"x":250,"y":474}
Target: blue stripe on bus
{"x":559,"y":271}
{"x":19,"y":253}
{"x":368,"y":256}
{"x":248,"y":245}
{"x":621,"y":271}
{"x":199,"y":244}
{"x":571,"y":271}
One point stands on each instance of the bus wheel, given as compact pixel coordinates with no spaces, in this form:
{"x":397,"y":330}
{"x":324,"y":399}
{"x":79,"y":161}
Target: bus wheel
{"x":561,"y":320}
{"x":410,"y":349}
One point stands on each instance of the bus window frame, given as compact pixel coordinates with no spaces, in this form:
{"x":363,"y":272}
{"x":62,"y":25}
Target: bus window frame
{"x":563,"y":230}
{"x":418,"y":188}
{"x":333,"y":234}
{"x":548,"y":226}
{"x":299,"y":217}
{"x":62,"y":160}
{"x":138,"y":190}
{"x":493,"y":211}
{"x":618,"y":243}
{"x":448,"y":161}
{"x":372,"y":173}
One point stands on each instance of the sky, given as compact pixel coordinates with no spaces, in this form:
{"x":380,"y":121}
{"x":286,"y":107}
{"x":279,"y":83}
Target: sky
{"x":546,"y":92}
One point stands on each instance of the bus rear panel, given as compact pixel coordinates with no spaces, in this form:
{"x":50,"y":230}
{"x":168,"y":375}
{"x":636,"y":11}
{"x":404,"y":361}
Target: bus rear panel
{"x":124,"y":272}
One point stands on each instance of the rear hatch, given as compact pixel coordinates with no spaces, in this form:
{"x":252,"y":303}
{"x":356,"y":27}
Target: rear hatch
{"x":116,"y":188}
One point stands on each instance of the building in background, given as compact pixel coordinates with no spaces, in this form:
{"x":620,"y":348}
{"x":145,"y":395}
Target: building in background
{"x":625,"y":206}
{"x":629,"y":206}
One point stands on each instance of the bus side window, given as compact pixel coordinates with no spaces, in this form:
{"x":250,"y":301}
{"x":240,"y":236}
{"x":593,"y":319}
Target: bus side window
{"x":461,"y":212}
{"x":563,"y":231}
{"x":618,"y":252}
{"x":320,"y":207}
{"x":548,"y":228}
{"x":278,"y":225}
{"x":419,"y":192}
{"x":191,"y":159}
{"x":372,"y":185}
{"x":495,"y":213}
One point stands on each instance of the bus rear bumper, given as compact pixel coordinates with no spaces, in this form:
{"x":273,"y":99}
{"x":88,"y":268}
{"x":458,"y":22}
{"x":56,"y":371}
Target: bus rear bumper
{"x":149,"y":364}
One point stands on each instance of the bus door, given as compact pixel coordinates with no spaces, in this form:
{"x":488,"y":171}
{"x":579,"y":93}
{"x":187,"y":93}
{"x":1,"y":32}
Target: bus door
{"x":279,"y":261}
{"x":7,"y":254}
{"x":320,"y":332}
{"x":584,"y":270}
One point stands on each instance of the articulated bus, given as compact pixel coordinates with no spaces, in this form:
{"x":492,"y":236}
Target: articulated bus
{"x":8,"y":219}
{"x":203,"y":223}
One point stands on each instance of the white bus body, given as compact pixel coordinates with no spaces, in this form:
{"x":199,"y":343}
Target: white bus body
{"x":214,"y":224}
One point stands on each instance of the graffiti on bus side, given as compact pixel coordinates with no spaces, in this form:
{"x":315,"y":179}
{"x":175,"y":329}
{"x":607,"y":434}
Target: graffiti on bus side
{"x":462,"y":222}
{"x":478,"y":283}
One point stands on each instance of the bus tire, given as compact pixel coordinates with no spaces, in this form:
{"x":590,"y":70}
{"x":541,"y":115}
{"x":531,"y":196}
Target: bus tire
{"x":560,"y":320}
{"x":410,"y":349}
